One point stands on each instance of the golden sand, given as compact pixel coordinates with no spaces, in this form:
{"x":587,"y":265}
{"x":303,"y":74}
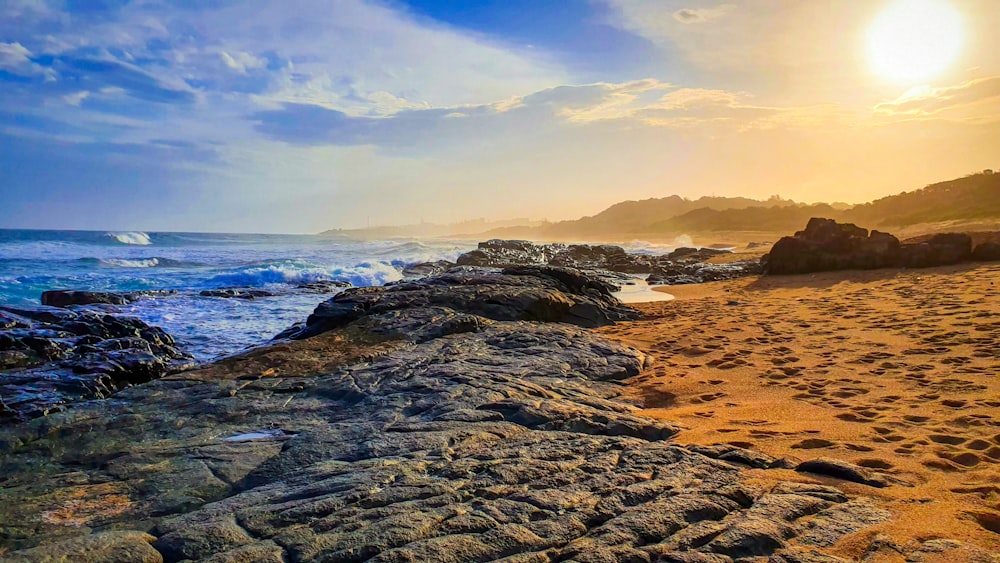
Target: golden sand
{"x":893,"y":369}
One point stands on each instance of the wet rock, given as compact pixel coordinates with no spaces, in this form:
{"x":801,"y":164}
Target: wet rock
{"x":425,"y":269}
{"x":323,"y":286}
{"x":68,"y":298}
{"x":251,"y":293}
{"x":65,"y":298}
{"x":52,"y":357}
{"x":247,"y":293}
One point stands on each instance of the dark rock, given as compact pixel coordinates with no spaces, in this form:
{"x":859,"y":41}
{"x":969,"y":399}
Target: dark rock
{"x":685,"y":255}
{"x":536,"y":293}
{"x":323,"y":286}
{"x":247,"y":293}
{"x":65,"y":298}
{"x":425,"y":269}
{"x":497,"y":253}
{"x":682,"y":264}
{"x":68,"y":298}
{"x":52,"y":357}
{"x":939,"y":250}
{"x":700,"y":273}
{"x":826,"y":245}
{"x":987,"y":252}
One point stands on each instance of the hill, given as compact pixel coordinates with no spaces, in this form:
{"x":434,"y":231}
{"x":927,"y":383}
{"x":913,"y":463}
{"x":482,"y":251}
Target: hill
{"x":972,"y":199}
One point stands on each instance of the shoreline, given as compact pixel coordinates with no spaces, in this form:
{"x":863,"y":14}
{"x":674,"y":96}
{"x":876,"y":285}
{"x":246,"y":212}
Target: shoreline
{"x":893,"y":369}
{"x":423,"y":421}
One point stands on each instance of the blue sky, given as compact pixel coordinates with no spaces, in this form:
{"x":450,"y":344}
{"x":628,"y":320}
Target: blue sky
{"x":303,"y":115}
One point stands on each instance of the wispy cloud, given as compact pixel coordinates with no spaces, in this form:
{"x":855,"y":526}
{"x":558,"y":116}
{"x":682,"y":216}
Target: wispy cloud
{"x":976,"y":100}
{"x":701,"y":15}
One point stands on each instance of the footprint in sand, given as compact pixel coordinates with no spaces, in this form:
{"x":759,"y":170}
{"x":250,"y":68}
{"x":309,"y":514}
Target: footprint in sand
{"x":813,"y":443}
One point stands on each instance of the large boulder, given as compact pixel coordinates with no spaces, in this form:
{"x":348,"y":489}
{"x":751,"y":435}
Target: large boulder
{"x":940,"y":250}
{"x":826,"y":245}
{"x":986,"y":252}
{"x":532,"y":293}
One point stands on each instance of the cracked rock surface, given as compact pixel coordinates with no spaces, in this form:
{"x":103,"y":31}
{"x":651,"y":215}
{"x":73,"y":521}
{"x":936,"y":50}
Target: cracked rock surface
{"x":503,"y":441}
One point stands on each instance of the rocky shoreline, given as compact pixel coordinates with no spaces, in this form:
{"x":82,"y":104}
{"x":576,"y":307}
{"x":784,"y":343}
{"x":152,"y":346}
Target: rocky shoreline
{"x":76,"y":347}
{"x":464,"y":416}
{"x":405,"y":429}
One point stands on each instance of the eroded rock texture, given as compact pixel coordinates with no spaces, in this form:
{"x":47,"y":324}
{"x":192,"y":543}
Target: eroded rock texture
{"x":504,"y":441}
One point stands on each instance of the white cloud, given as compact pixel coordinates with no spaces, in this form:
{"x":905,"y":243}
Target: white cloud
{"x":76,"y":99}
{"x":16,"y":59}
{"x":241,"y":62}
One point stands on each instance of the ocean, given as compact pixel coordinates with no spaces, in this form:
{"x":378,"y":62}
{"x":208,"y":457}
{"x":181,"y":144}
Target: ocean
{"x":33,"y":261}
{"x":206,"y":327}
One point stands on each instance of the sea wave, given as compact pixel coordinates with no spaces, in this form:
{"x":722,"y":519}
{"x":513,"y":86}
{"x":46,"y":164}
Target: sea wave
{"x":655,"y":248}
{"x":360,"y":275}
{"x":132,"y":237}
{"x":140,"y":262}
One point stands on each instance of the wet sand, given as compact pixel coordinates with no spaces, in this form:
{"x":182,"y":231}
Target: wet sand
{"x":893,"y":370}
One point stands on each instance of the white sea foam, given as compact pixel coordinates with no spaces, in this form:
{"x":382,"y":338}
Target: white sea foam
{"x":133,"y":237}
{"x":362,"y":274}
{"x":125,"y":263}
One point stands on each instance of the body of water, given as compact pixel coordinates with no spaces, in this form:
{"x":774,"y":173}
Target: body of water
{"x":35,"y":261}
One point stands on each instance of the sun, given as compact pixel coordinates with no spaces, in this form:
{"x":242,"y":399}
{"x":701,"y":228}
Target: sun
{"x":915,"y":40}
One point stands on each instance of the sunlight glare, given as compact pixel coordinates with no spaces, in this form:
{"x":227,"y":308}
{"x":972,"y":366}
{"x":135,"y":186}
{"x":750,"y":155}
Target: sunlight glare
{"x":914,"y":40}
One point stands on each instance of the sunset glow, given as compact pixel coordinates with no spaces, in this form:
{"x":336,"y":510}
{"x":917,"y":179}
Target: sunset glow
{"x":915,"y":40}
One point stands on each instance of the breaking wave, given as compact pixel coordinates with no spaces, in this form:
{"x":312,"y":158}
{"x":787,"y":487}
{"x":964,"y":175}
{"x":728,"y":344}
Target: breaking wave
{"x":360,"y":275}
{"x":133,"y":237}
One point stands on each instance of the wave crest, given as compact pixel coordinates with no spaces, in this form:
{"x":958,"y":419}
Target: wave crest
{"x":360,"y":275}
{"x":132,"y":237}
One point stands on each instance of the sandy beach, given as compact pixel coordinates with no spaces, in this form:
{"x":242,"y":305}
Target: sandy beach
{"x":894,"y":370}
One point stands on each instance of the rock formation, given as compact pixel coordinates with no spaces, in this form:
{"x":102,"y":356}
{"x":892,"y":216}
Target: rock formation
{"x":682,"y":266}
{"x":50,"y":357}
{"x":826,"y":245}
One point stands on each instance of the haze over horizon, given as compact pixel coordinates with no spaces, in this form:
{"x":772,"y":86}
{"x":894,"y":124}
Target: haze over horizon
{"x":307,"y":115}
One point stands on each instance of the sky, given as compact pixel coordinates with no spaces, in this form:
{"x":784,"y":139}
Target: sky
{"x":304,"y":115}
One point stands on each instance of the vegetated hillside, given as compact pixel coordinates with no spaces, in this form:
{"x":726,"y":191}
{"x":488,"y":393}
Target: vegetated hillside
{"x":973,"y":197}
{"x":783,"y":218}
{"x":640,"y":216}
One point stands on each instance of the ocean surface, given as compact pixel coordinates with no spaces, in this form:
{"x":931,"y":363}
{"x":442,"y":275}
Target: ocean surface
{"x":209,"y":327}
{"x":34,"y":261}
